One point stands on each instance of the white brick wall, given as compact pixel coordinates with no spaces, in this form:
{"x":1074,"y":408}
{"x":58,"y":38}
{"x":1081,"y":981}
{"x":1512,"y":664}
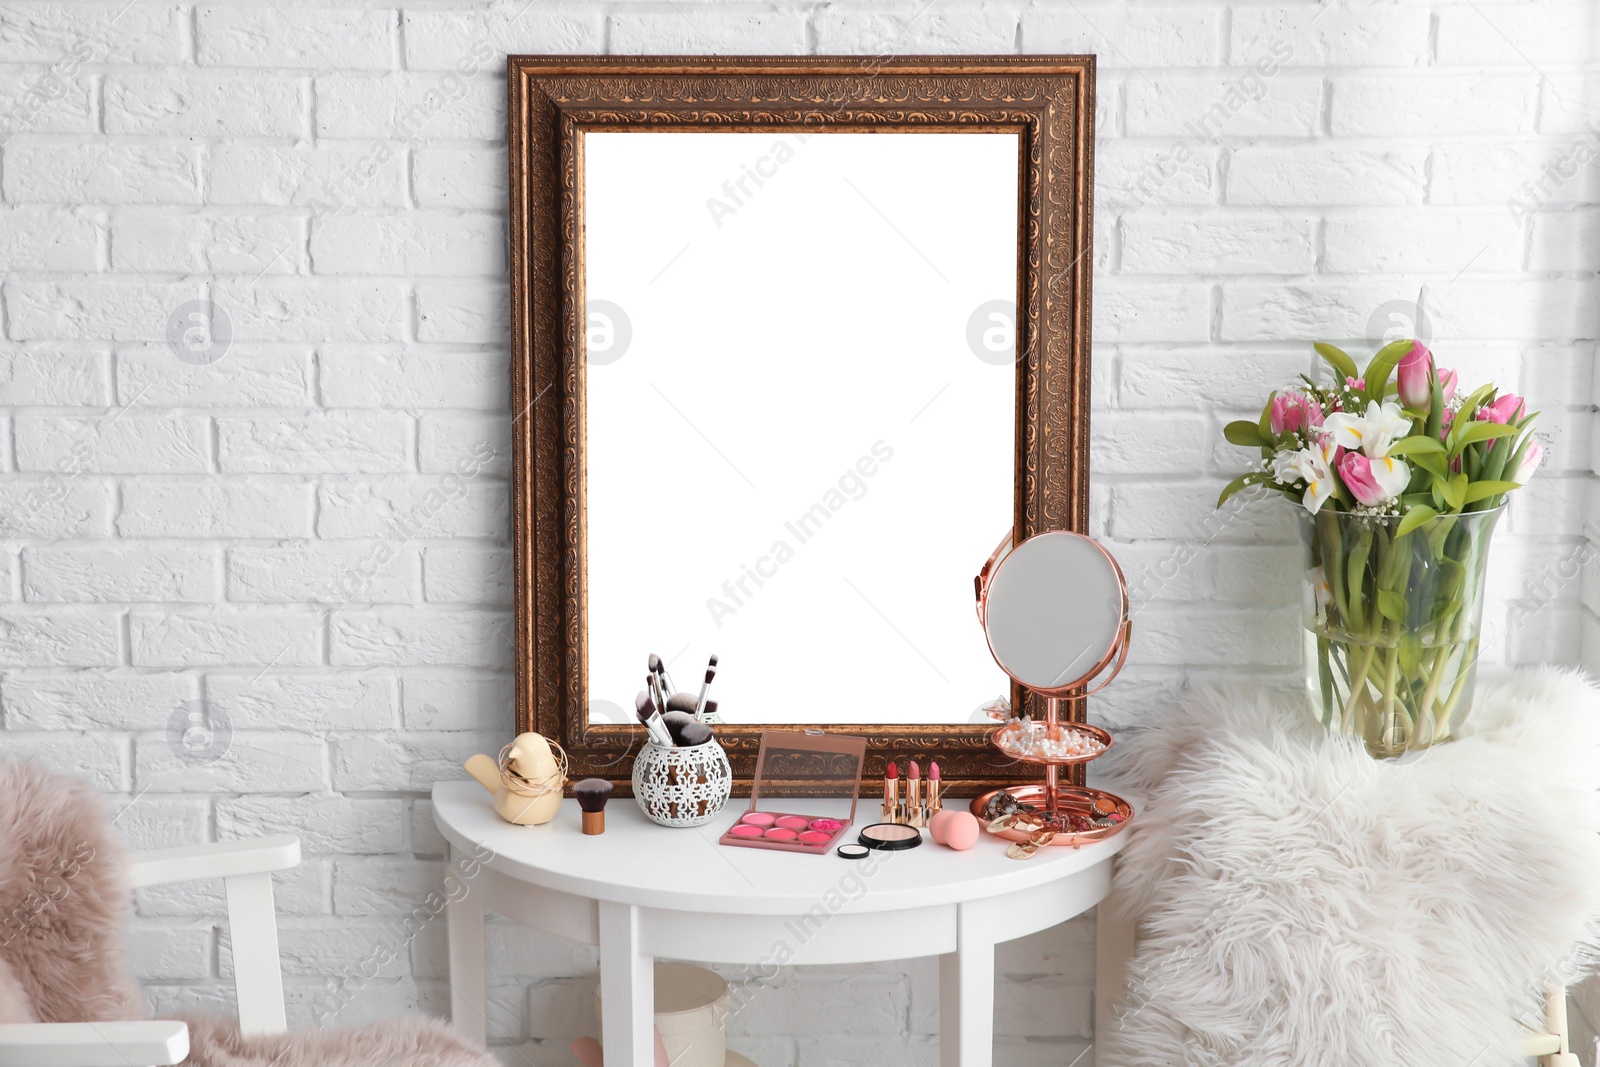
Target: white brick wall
{"x":277,"y":536}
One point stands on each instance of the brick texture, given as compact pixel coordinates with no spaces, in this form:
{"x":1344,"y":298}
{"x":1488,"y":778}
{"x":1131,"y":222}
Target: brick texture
{"x":268,"y":545}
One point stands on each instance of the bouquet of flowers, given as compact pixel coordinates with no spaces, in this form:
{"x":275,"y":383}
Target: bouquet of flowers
{"x":1401,"y":478}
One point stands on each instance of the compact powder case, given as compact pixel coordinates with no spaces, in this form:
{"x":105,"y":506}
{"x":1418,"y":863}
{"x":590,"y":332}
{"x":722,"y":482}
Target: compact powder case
{"x":890,"y":836}
{"x":805,"y":766}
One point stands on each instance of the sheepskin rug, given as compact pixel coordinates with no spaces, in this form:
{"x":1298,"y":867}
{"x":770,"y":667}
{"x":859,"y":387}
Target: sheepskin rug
{"x":64,"y":908}
{"x":1301,"y":903}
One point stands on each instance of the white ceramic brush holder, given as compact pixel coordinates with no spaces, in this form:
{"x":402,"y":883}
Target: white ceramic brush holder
{"x":682,"y":786}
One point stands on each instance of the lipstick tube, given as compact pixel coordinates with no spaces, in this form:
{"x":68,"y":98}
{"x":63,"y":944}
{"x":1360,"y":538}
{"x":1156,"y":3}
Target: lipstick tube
{"x":891,"y":793}
{"x":914,"y":812}
{"x":935,"y":787}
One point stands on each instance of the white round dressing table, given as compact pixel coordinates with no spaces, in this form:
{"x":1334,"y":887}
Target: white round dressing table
{"x":641,"y":891}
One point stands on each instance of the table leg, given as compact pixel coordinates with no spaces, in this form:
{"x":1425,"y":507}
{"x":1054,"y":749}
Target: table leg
{"x":966,"y":998}
{"x":627,"y":990}
{"x":1113,"y":950}
{"x":468,"y":978}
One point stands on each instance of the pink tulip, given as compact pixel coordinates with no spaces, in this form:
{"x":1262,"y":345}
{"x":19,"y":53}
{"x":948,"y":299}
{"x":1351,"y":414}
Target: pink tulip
{"x":1356,"y":383}
{"x":1294,"y":411}
{"x":1373,"y":481}
{"x":1412,"y":377}
{"x":1447,"y":383}
{"x":1505,"y":409}
{"x":1530,"y":463}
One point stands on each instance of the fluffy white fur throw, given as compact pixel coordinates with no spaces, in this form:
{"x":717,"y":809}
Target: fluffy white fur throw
{"x":64,"y":906}
{"x":1301,"y":903}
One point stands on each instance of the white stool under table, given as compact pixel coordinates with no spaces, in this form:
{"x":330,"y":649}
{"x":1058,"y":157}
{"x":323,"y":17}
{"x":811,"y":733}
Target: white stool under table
{"x":641,"y":891}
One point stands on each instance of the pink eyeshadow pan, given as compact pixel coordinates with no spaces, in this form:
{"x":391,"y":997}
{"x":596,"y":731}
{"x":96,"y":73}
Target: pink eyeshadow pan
{"x":745,"y":831}
{"x":779,"y":833}
{"x":827,"y":826}
{"x":759,"y":818}
{"x":815,"y":837}
{"x":793,"y":822}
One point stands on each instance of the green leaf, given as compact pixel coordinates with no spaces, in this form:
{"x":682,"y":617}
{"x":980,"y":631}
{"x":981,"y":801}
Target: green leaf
{"x":1455,"y":491}
{"x":1439,"y":532}
{"x":1469,"y":408}
{"x":1494,"y":464}
{"x":1356,"y":574}
{"x":1414,"y":446}
{"x":1474,"y":432}
{"x":1419,"y":514}
{"x":1383,"y":364}
{"x":1253,"y":478}
{"x":1339,"y":361}
{"x":1452,"y":576}
{"x":1428,"y":461}
{"x":1484,"y":490}
{"x":1410,"y":652}
{"x":1391,"y":605}
{"x":1245,"y":432}
{"x":1265,"y":425}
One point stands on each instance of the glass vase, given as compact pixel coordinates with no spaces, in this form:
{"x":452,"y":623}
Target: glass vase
{"x":1392,"y":623}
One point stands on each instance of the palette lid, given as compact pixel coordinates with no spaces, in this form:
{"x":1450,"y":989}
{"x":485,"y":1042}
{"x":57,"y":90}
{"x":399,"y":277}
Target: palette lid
{"x":822,"y":767}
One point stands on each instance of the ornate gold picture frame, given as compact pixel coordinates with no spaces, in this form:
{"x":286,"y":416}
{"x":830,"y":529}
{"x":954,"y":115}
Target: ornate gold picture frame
{"x":1047,"y":100}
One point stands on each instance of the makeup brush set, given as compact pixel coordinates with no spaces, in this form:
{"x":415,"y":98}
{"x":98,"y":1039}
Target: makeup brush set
{"x":682,"y":777}
{"x":678,"y":720}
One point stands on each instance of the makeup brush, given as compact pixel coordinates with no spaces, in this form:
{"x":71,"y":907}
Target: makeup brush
{"x":645,"y":707}
{"x":700,"y":705}
{"x":592,"y":794}
{"x":658,"y":667}
{"x":683,"y":702}
{"x":687,"y":731}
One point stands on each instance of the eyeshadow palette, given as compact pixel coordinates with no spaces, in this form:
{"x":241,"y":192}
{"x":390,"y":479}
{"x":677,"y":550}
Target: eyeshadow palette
{"x":771,"y":828}
{"x":794,"y":765}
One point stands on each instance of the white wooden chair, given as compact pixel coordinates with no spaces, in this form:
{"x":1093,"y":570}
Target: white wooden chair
{"x":246,"y":870}
{"x":1552,"y":1045}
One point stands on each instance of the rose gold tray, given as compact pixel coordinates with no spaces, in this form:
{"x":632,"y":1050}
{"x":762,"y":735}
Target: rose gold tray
{"x":998,"y":739}
{"x":1073,"y":799}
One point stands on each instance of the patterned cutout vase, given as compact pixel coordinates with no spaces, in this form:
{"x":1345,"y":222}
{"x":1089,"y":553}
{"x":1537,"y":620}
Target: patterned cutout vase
{"x":682,"y":786}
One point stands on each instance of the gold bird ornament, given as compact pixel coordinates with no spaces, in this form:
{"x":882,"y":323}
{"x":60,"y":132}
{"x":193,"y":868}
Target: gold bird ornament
{"x":526,"y":780}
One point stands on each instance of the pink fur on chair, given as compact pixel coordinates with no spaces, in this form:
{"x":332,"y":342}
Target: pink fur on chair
{"x":64,"y":903}
{"x":64,"y":906}
{"x":407,"y":1041}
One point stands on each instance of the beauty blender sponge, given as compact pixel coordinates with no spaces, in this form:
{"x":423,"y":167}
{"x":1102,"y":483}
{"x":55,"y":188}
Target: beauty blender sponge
{"x":955,"y":829}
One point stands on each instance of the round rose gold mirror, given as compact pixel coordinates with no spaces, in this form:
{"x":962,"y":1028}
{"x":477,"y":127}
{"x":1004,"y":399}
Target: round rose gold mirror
{"x":1055,"y":611}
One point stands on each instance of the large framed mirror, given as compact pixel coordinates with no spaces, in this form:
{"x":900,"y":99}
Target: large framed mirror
{"x":794,"y":341}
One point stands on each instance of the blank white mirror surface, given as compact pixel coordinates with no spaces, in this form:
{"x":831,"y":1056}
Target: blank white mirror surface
{"x":800,"y":417}
{"x":1053,"y":611}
